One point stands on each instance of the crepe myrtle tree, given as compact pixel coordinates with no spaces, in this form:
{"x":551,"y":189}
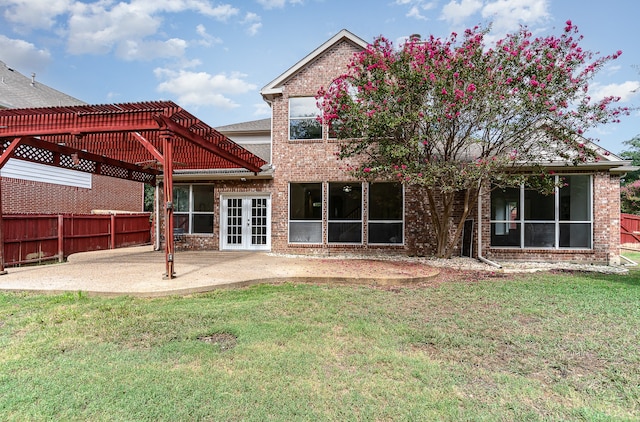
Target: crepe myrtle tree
{"x":452,"y":115}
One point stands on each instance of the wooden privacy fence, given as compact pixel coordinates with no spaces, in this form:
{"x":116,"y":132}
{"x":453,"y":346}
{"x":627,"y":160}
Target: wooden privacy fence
{"x":31,"y":238}
{"x":629,"y":229}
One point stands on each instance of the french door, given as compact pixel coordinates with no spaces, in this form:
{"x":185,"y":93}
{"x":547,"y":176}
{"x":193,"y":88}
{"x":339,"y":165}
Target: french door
{"x":245,"y":222}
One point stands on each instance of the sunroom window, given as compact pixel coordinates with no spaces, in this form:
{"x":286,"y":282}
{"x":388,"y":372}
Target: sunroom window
{"x":305,"y":212}
{"x":345,"y":213}
{"x":193,"y":208}
{"x":303,"y":119}
{"x":385,"y":213}
{"x":525,"y":218}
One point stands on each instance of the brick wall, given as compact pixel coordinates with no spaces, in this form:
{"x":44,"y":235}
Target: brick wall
{"x":220,"y":187}
{"x":23,"y":196}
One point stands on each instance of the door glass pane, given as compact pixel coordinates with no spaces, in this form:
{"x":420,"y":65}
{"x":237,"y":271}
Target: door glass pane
{"x":259,"y":221}
{"x":234,"y":221}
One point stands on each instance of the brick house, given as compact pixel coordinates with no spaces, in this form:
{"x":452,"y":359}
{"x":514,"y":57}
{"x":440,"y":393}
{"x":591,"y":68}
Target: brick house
{"x":307,"y":203}
{"x":36,"y":188}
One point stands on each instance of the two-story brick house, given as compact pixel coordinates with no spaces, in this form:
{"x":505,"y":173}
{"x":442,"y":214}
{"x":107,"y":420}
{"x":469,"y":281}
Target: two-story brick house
{"x":306,"y":202}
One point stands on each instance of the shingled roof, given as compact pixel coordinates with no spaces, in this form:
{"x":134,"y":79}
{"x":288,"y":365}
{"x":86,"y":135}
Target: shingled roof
{"x":19,"y":91}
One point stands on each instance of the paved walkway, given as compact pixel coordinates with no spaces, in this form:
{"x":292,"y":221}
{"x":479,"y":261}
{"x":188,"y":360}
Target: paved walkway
{"x":138,"y":271}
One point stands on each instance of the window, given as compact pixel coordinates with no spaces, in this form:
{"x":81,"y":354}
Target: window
{"x":345,"y":213}
{"x":193,"y":208}
{"x":525,"y":218}
{"x":305,"y":213}
{"x":303,"y":115}
{"x":386,"y":213}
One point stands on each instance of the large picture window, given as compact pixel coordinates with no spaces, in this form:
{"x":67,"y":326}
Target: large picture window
{"x":193,"y":208}
{"x":525,"y":218}
{"x":386,"y":213}
{"x":303,"y":119}
{"x":305,"y":213}
{"x":345,"y":213}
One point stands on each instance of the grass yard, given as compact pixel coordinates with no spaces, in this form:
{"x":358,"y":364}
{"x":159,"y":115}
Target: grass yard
{"x":554,"y":346}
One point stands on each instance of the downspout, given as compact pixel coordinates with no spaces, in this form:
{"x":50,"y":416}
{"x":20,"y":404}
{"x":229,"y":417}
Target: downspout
{"x":480,"y":257}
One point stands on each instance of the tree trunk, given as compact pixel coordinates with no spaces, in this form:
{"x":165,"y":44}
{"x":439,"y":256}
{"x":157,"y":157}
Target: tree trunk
{"x":441,"y":216}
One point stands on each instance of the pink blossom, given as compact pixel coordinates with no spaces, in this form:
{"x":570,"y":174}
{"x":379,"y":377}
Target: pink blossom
{"x":471,"y":88}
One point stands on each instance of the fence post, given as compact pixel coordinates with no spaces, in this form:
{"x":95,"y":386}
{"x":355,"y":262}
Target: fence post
{"x":113,"y":231}
{"x":60,"y":238}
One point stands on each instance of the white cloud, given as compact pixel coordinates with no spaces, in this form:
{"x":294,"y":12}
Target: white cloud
{"x":23,"y":55}
{"x":148,"y":50}
{"x":254,"y":23}
{"x":456,"y":12}
{"x":127,"y":27}
{"x":201,"y":88}
{"x":207,"y":39}
{"x":261,"y":109}
{"x":277,"y":4}
{"x":508,"y":15}
{"x":416,"y":7}
{"x":29,"y":14}
{"x":625,"y":90}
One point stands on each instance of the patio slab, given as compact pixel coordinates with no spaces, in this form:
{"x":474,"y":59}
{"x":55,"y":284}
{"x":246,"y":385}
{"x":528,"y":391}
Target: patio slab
{"x":138,"y":271}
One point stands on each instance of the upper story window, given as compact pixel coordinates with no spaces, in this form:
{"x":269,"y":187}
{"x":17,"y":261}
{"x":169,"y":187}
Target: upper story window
{"x":303,"y":118}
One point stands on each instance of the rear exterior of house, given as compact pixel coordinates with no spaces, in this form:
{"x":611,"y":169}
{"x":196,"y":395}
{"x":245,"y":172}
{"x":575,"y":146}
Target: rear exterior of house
{"x":307,"y":203}
{"x":32,"y":188}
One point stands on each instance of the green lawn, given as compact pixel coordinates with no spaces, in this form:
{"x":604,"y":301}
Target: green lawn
{"x":538,"y":347}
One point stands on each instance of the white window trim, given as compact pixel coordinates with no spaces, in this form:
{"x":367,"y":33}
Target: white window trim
{"x":191,"y":211}
{"x":329,"y":221}
{"x":320,"y":221}
{"x":556,"y":221}
{"x":289,"y":118}
{"x":369,"y":220}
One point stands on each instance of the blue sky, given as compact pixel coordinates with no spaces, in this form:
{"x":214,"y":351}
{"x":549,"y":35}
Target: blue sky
{"x":213,"y":57}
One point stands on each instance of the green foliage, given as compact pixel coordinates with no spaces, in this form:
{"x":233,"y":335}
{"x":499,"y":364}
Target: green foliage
{"x":149,"y":197}
{"x":451,"y":115}
{"x":633,"y":154}
{"x":630,"y":198}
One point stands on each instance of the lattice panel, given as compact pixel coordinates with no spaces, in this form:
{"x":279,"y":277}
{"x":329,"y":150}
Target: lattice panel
{"x":139,"y":176}
{"x":107,"y":170}
{"x":69,"y":162}
{"x":37,"y":155}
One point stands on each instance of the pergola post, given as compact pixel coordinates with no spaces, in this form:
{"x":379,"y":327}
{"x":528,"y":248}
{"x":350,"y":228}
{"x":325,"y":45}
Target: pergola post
{"x":169,"y":249}
{"x":2,"y":270}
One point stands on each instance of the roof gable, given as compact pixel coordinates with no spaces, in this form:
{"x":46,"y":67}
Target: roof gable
{"x":275,"y":86}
